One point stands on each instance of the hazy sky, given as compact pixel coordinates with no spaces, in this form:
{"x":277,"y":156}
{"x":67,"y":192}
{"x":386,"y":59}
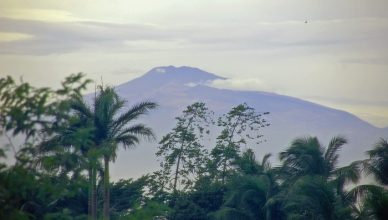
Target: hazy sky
{"x":330,"y":52}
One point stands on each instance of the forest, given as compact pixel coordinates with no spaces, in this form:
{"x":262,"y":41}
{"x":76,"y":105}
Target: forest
{"x":61,"y":147}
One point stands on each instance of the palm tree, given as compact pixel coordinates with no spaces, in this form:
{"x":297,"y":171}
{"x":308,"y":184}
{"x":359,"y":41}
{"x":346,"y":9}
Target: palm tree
{"x":369,"y":202}
{"x":71,"y":150}
{"x":307,"y":163}
{"x":306,"y":156}
{"x":310,"y":197}
{"x":377,"y":164}
{"x":248,"y":165}
{"x":113,"y":127}
{"x":251,"y":190}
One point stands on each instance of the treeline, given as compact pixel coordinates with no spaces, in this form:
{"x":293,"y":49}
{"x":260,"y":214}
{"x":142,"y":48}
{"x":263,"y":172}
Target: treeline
{"x":207,"y":167}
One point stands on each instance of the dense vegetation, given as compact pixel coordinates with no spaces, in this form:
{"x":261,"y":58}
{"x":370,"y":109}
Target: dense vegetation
{"x":62,"y":147}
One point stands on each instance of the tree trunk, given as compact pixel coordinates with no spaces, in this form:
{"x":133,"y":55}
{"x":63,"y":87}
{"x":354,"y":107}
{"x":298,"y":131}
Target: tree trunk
{"x":223,"y":173}
{"x":94,"y":194}
{"x":176,"y":172}
{"x":106,"y":188}
{"x":268,"y":214}
{"x":90,"y":192}
{"x":268,"y":210}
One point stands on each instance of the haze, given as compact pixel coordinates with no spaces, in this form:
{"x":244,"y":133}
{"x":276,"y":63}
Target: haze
{"x":330,"y":52}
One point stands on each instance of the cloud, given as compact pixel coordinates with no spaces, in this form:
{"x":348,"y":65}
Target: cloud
{"x":366,"y":60}
{"x":11,"y":36}
{"x":46,"y":15}
{"x":74,"y":35}
{"x":360,"y":101}
{"x":160,"y":70}
{"x":340,"y":52}
{"x":63,"y":37}
{"x":251,"y":84}
{"x":373,"y":111}
{"x":191,"y":84}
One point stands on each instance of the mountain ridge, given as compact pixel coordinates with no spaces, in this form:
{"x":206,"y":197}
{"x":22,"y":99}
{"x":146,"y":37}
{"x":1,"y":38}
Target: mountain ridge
{"x":290,"y":117}
{"x":201,"y":83}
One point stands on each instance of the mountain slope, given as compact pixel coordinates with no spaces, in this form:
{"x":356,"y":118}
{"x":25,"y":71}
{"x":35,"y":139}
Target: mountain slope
{"x":176,"y":87}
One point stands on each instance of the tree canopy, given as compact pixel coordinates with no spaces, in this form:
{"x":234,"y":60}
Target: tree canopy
{"x":209,"y":168}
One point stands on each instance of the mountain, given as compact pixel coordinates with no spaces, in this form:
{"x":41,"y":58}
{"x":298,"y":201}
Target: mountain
{"x":173,"y":88}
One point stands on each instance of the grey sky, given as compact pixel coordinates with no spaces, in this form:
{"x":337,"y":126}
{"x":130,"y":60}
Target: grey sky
{"x":339,"y":58}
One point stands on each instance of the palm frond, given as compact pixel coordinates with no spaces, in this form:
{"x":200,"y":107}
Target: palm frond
{"x":79,"y":105}
{"x":331,"y":155}
{"x":304,"y":156}
{"x":350,"y":173}
{"x":361,"y":191}
{"x":377,"y":164}
{"x":228,"y":213}
{"x":127,"y":140}
{"x":133,"y":113}
{"x":265,"y":161}
{"x":139,"y":130}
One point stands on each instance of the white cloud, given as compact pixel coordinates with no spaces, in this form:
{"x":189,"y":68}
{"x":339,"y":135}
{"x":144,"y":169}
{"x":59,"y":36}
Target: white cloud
{"x":340,"y":53}
{"x":46,"y":15}
{"x":251,"y":84}
{"x":12,"y":36}
{"x":160,"y":70}
{"x":191,"y":84}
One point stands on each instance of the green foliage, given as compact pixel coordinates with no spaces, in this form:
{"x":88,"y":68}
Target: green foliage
{"x":28,"y":192}
{"x":186,"y":209}
{"x":198,"y":203}
{"x":251,"y":191}
{"x":378,"y":162}
{"x":247,"y":195}
{"x":230,"y":214}
{"x":306,"y":156}
{"x":62,"y":169}
{"x":26,"y":110}
{"x":310,"y":171}
{"x":207,"y":195}
{"x":111,"y":127}
{"x":149,"y":211}
{"x":64,"y":215}
{"x":310,"y":197}
{"x":182,"y":151}
{"x":370,"y":202}
{"x":68,"y":151}
{"x":241,"y":125}
{"x":24,"y":192}
{"x":376,"y":203}
{"x":126,"y":195}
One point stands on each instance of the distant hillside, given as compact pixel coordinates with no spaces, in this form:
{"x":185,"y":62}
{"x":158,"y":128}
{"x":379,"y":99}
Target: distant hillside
{"x":176,"y":87}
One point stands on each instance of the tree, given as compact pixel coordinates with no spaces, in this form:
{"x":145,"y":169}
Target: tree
{"x":263,"y":170}
{"x":112,"y":127}
{"x":126,"y":195}
{"x":239,"y":125}
{"x":377,"y":164}
{"x":182,"y":150}
{"x":152,"y":210}
{"x":28,"y":191}
{"x":251,"y":190}
{"x":369,"y":202}
{"x":186,"y":209}
{"x":70,"y":151}
{"x":307,"y":164}
{"x":306,"y":156}
{"x":310,"y":197}
{"x":33,"y":112}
